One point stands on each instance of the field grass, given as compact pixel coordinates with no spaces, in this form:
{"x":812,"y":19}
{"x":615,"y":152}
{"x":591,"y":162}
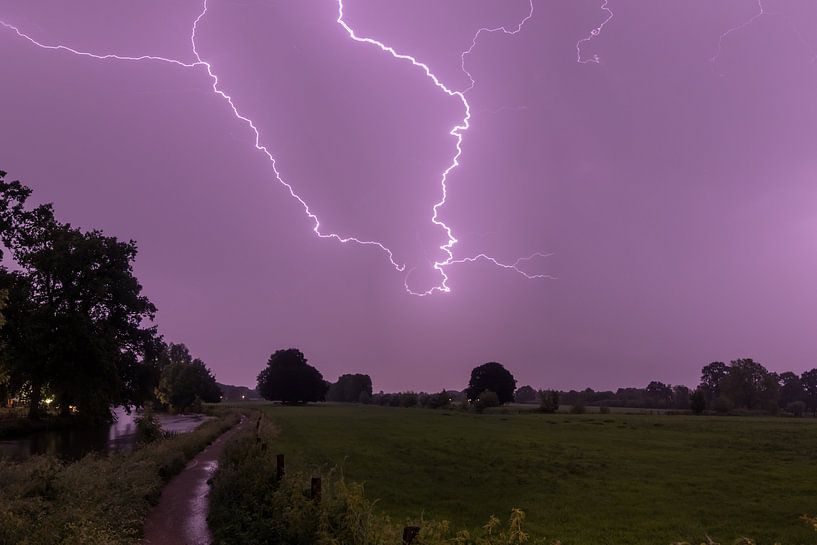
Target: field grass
{"x":584,"y":479}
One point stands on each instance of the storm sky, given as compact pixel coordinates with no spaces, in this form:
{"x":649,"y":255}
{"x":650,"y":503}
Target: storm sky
{"x":671,"y":183}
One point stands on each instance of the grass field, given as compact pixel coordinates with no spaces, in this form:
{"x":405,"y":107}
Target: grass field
{"x":584,"y":479}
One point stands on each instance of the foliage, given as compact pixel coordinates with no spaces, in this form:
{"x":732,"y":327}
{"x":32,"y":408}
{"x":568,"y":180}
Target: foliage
{"x":525,"y":394}
{"x":186,"y":382}
{"x":75,"y":312}
{"x":148,"y":429}
{"x":548,"y":401}
{"x":486,"y":400}
{"x":289,"y":378}
{"x":494,"y":377}
{"x":578,"y":408}
{"x":797,"y":408}
{"x":99,"y":500}
{"x":749,"y":385}
{"x":697,"y":401}
{"x":349,"y":388}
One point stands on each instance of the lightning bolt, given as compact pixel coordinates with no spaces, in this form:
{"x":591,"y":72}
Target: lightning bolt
{"x":761,"y":12}
{"x":490,"y":30}
{"x":456,"y":131}
{"x":593,"y":33}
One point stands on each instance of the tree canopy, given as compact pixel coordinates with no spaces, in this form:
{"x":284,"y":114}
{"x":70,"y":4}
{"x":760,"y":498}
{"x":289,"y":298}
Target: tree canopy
{"x":290,"y":379}
{"x":75,"y":314}
{"x":494,"y":377}
{"x":350,"y":389}
{"x":185,"y":381}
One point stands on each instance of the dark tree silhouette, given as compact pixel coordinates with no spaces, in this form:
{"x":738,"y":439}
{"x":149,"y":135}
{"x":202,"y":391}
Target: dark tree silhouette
{"x":185,"y":381}
{"x":525,"y":394}
{"x":711,"y":377}
{"x":659,"y":394}
{"x":75,"y":311}
{"x":809,"y":382}
{"x":290,"y":379}
{"x":697,"y":401}
{"x":494,"y":377}
{"x":791,"y":389}
{"x":350,"y":389}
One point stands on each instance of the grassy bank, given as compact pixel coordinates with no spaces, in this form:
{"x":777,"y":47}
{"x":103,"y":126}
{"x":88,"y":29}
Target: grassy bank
{"x":584,"y":479}
{"x":97,"y":500}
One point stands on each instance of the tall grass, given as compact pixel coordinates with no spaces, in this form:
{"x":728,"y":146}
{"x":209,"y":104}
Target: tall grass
{"x":98,"y":499}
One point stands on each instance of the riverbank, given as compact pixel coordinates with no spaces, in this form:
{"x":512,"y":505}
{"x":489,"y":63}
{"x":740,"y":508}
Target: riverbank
{"x":99,"y":499}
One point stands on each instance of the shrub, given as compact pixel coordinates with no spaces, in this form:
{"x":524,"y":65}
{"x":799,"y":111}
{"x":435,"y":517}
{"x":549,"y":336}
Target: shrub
{"x":604,"y":409}
{"x":697,"y":401}
{"x":486,"y":400}
{"x":578,"y":408}
{"x":548,"y":401}
{"x":797,"y":408}
{"x":148,"y":428}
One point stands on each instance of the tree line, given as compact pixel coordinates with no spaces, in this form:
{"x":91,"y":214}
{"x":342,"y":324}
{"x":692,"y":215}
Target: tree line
{"x":77,"y":333}
{"x":742,"y":385}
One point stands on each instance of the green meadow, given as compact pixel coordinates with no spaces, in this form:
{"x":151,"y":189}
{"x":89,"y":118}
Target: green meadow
{"x":583,"y":479}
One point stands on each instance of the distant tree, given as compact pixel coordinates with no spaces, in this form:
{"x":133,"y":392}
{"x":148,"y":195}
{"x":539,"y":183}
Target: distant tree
{"x":439,"y":400}
{"x":809,"y":382}
{"x":548,"y":401}
{"x":680,"y":397}
{"x":525,"y":394}
{"x":659,"y":394}
{"x":791,"y":389}
{"x":711,"y":377}
{"x":290,"y":379}
{"x":494,"y":377}
{"x":408,"y":399}
{"x":750,"y":385}
{"x":185,"y":382}
{"x":697,"y":401}
{"x":349,"y":388}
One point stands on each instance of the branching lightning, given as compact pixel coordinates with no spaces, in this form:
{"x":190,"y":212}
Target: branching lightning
{"x":456,"y":132}
{"x":761,"y":12}
{"x":593,"y":33}
{"x":490,"y":30}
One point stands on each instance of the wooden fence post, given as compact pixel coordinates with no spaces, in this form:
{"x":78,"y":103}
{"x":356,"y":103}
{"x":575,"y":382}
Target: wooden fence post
{"x":315,"y":489}
{"x":409,"y":533}
{"x":279,"y":460}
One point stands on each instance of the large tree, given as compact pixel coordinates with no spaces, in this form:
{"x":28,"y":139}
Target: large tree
{"x":750,"y":385}
{"x":809,"y":382}
{"x":76,"y":313}
{"x":791,"y":389}
{"x":494,"y":377}
{"x":290,"y":379}
{"x":711,"y":377}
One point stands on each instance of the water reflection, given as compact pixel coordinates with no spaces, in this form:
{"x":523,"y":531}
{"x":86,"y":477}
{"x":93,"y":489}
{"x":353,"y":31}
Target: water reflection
{"x":72,"y":444}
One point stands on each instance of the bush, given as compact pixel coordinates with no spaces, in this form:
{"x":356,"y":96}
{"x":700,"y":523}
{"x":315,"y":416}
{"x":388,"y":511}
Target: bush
{"x":548,"y":401}
{"x":148,"y":428}
{"x":486,"y":400}
{"x":797,"y":408}
{"x":578,"y":408}
{"x":604,"y":409}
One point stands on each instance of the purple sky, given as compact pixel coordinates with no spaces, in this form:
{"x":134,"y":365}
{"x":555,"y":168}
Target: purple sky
{"x":676,"y":193}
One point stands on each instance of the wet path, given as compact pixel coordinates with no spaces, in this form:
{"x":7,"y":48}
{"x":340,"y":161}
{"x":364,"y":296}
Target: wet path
{"x":180,"y":517}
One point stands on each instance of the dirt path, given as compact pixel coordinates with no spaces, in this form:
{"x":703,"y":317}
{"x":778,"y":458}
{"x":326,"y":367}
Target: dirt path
{"x":180,"y":517}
